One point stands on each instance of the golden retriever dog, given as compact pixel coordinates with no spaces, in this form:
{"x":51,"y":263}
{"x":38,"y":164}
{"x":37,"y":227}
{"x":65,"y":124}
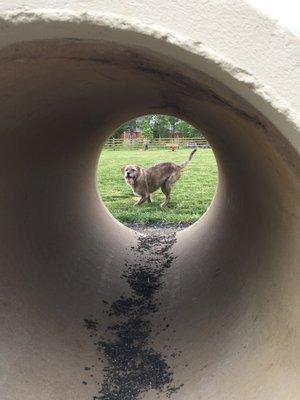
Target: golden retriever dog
{"x":143,"y":182}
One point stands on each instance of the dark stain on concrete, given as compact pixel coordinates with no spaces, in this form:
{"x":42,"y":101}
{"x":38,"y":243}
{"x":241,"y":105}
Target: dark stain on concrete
{"x":131,"y":365}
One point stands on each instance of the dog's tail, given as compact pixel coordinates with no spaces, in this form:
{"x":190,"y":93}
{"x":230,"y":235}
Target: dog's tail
{"x":186,"y":162}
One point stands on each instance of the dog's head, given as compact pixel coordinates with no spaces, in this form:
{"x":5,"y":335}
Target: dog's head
{"x":131,"y":173}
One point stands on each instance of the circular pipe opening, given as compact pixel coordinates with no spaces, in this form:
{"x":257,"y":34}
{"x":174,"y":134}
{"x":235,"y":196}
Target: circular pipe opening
{"x":170,"y":160}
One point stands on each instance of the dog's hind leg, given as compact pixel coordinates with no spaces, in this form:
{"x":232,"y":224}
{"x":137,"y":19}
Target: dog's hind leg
{"x":167,"y":192}
{"x":167,"y":187}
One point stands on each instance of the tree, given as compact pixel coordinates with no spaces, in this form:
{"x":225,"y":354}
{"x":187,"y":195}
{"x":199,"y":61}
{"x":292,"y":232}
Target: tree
{"x":146,"y":129}
{"x":158,"y":126}
{"x":187,"y":130}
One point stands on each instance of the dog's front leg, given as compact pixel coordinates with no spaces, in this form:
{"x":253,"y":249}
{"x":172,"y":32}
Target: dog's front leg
{"x":141,"y":201}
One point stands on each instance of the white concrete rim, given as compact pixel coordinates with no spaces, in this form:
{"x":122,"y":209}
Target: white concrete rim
{"x":63,"y":24}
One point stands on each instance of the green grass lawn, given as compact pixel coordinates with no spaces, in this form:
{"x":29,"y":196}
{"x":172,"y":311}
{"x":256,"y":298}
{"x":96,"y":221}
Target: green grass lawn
{"x":190,"y":197}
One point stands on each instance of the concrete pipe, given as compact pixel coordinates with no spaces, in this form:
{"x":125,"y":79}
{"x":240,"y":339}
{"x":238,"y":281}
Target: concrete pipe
{"x":89,"y":310}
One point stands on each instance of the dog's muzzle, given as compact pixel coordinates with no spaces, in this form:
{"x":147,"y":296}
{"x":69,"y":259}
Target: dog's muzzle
{"x":129,"y":179}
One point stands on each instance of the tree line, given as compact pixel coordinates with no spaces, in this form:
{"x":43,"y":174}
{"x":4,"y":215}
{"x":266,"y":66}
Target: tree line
{"x":158,"y":126}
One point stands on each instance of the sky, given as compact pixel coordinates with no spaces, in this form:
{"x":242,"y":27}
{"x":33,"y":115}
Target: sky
{"x":286,"y":12}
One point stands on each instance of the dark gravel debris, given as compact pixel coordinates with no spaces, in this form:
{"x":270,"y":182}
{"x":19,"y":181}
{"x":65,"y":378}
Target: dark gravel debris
{"x":131,"y":365}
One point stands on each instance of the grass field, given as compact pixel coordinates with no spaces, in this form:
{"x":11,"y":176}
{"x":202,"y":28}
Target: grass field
{"x":190,"y":197}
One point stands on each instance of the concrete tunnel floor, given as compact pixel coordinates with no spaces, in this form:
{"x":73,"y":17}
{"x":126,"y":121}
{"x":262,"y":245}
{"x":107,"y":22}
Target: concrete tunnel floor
{"x":91,"y":310}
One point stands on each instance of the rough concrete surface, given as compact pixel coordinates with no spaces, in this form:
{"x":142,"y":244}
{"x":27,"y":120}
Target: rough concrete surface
{"x":89,"y":308}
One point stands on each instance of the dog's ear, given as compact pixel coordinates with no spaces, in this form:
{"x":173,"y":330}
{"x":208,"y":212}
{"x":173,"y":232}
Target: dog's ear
{"x":123,"y":169}
{"x":139,"y":169}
